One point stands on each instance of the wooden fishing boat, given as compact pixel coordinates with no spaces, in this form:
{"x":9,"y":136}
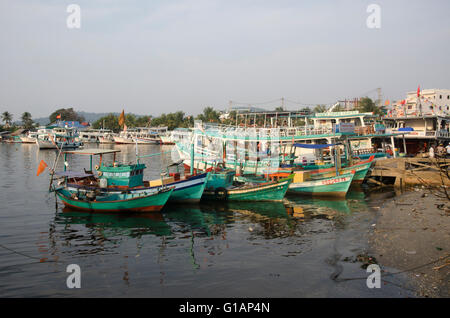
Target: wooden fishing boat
{"x":116,"y":177}
{"x":220,"y":178}
{"x":96,"y":196}
{"x":360,"y":168}
{"x":336,"y":186}
{"x":187,"y":188}
{"x":107,"y":202}
{"x":269,"y":191}
{"x":60,"y":138}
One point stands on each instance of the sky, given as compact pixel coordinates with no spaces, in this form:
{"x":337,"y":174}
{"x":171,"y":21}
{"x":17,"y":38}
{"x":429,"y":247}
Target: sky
{"x":160,"y":56}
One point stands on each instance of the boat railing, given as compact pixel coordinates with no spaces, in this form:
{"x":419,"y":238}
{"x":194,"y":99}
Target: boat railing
{"x":442,"y":134}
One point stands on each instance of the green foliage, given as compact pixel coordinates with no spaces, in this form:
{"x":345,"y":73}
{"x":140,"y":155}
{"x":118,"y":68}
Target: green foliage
{"x":7,"y":118}
{"x":231,"y":120}
{"x":173,"y":120}
{"x":66,"y":114}
{"x":110,"y":121}
{"x":27,"y":122}
{"x":367,"y":105}
{"x":320,"y":109}
{"x":209,"y":115}
{"x":279,"y":109}
{"x":339,"y":108}
{"x":307,"y":110}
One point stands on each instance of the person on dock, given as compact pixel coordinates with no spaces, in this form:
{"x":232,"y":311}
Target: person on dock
{"x":431,"y":152}
{"x":448,"y":150}
{"x":389,"y":152}
{"x":440,"y":151}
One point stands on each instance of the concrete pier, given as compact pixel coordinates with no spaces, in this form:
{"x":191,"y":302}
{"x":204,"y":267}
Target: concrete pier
{"x":412,"y":171}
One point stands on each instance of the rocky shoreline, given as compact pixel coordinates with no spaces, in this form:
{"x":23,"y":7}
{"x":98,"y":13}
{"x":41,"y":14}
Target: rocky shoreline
{"x":412,"y":234}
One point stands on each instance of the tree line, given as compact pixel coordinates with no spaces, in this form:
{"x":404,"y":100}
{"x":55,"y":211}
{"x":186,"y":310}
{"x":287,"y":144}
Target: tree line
{"x":172,"y":120}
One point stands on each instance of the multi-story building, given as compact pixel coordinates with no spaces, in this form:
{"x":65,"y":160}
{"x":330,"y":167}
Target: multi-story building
{"x":426,"y":118}
{"x":429,"y":102}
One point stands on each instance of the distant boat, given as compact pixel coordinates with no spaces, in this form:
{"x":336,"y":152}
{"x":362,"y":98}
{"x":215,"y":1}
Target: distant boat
{"x":166,"y":138}
{"x":140,"y":135}
{"x":29,"y":138}
{"x":58,"y":138}
{"x":92,"y":135}
{"x":107,"y":138}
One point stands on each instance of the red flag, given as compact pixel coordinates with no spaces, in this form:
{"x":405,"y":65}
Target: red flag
{"x":418,"y":91}
{"x":58,"y":117}
{"x":41,"y":167}
{"x":403,"y":102}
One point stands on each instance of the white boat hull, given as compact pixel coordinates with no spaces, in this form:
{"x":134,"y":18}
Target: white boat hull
{"x":28,"y":140}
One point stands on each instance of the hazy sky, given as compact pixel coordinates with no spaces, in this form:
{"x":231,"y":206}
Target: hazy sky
{"x":151,"y":57}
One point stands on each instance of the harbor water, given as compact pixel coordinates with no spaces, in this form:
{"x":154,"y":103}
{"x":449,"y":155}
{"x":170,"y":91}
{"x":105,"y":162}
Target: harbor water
{"x":296,"y":248}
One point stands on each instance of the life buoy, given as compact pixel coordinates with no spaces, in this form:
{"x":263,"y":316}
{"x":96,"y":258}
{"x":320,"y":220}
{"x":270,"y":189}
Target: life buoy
{"x":97,"y":167}
{"x":99,"y":173}
{"x":221,"y":194}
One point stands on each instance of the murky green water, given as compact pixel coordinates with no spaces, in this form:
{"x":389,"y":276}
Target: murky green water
{"x":289,"y":249}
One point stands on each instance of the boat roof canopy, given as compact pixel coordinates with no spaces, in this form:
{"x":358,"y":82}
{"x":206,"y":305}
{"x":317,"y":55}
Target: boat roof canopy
{"x":73,"y":174}
{"x":314,"y":146}
{"x":92,"y":152}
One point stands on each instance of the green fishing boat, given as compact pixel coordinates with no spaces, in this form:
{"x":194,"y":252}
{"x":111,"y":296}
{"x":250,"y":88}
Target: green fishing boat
{"x":112,"y":191}
{"x":220,"y":179}
{"x":336,"y":186}
{"x":269,"y":191}
{"x":93,"y":202}
{"x":360,"y":168}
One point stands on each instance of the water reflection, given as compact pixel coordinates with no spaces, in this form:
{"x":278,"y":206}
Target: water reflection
{"x":278,"y":219}
{"x":207,"y":250}
{"x":135,"y":225}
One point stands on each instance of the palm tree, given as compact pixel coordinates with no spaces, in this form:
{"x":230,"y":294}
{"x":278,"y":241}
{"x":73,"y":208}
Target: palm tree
{"x":27,"y":122}
{"x":7,"y":118}
{"x":367,"y":105}
{"x":209,"y":115}
{"x":320,"y":109}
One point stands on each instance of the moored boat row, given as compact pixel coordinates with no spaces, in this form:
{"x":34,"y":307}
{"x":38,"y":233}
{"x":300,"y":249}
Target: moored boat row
{"x":121,"y":187}
{"x":247,"y":168}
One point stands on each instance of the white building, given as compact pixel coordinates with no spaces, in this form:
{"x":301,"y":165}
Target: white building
{"x":432,"y":102}
{"x":426,"y":118}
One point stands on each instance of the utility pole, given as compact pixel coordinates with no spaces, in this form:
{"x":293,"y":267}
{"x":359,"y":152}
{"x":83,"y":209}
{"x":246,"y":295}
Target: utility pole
{"x":282,"y":103}
{"x":380,"y":96}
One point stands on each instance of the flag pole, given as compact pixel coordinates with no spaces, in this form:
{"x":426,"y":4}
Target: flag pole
{"x":54,"y":164}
